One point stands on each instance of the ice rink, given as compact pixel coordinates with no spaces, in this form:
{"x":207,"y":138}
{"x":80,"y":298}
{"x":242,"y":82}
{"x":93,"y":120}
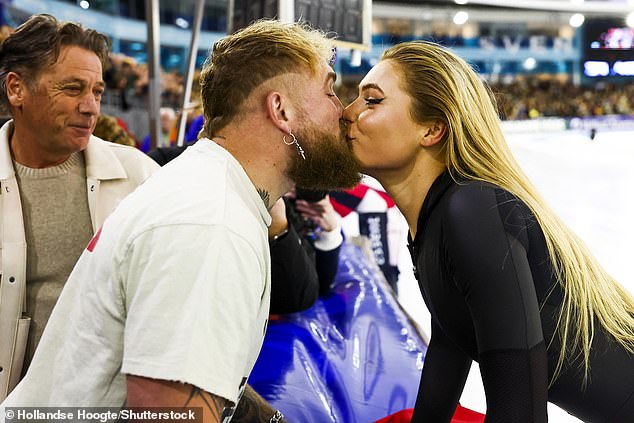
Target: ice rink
{"x":590,"y":185}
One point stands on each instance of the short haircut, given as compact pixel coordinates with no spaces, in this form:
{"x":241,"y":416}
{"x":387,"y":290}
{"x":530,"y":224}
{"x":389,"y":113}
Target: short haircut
{"x":244,"y":60}
{"x":36,"y":44}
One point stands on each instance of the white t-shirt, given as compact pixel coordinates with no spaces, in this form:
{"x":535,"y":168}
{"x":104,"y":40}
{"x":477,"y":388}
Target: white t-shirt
{"x":175,"y":286}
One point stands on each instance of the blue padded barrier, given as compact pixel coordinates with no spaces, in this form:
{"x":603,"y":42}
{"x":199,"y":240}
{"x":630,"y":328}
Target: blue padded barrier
{"x":354,"y":357}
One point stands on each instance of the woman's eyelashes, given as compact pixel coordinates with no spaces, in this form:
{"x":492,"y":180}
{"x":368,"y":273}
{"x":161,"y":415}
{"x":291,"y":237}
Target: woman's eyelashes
{"x":371,"y":101}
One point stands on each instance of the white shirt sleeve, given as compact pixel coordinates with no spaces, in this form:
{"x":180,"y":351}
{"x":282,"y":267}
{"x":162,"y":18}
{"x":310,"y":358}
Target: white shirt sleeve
{"x":193,"y":295}
{"x":329,"y":240}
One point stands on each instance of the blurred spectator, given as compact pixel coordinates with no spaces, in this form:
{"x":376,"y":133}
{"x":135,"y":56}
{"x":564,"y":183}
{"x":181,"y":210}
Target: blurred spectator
{"x":193,"y":124}
{"x":109,"y":129}
{"x":5,"y":31}
{"x":194,"y":129}
{"x":172,"y":89}
{"x":168,"y":120}
{"x":122,"y":76}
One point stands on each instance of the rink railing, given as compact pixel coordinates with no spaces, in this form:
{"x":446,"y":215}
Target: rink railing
{"x":553,"y":124}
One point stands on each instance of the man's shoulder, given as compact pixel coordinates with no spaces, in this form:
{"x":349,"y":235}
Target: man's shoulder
{"x":104,"y":155}
{"x":120,"y":150}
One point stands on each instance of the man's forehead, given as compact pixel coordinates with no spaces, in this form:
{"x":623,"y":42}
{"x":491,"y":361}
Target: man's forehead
{"x":77,"y":57}
{"x":73,"y":70}
{"x":70,"y":75}
{"x":72,"y":78}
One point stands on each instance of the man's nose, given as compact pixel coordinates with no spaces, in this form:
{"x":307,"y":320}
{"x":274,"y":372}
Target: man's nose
{"x":89,"y":104}
{"x":339,"y":104}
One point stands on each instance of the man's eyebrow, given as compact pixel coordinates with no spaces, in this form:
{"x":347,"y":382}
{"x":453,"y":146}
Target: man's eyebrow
{"x":70,"y":79}
{"x":371,"y":85}
{"x":75,"y":80}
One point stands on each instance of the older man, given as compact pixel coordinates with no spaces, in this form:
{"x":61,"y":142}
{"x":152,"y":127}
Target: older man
{"x":58,"y":182}
{"x":168,"y":304}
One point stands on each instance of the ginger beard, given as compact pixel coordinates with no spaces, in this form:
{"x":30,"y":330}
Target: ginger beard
{"x":329,"y":162}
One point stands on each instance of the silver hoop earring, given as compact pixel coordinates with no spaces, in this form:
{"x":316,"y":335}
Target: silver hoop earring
{"x":289,"y":143}
{"x":300,"y":150}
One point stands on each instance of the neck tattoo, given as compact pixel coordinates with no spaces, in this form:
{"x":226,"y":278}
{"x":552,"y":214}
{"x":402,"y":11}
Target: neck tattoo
{"x":264,"y":195}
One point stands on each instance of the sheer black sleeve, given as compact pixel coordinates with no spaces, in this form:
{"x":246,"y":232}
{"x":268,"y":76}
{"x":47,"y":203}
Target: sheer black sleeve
{"x":444,"y":374}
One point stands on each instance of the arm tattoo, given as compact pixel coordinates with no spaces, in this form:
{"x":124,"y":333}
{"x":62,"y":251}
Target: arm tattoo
{"x":252,"y":408}
{"x":213,"y":403}
{"x":264,"y":195}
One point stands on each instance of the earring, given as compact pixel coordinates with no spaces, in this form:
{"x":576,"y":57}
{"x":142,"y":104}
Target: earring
{"x":300,"y":150}
{"x":289,"y":143}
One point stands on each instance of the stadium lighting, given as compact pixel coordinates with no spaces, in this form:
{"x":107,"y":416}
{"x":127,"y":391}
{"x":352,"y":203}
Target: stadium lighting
{"x":576,"y":20}
{"x":461,"y":2}
{"x":624,"y":68}
{"x":596,"y":68}
{"x":630,"y":20}
{"x":182,"y":23}
{"x":84,"y":4}
{"x":460,"y":18}
{"x":530,"y":64}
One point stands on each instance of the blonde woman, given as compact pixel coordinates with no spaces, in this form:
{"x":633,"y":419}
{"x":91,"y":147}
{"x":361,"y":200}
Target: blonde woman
{"x":507,"y":284}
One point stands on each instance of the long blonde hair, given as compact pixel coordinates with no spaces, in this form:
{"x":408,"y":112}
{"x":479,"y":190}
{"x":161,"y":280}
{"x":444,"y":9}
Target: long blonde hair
{"x":443,"y":86}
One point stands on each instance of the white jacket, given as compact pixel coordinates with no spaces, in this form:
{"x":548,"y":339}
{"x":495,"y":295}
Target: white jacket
{"x":112,"y":172}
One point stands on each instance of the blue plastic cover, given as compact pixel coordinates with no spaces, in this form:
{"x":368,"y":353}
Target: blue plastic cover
{"x":352,"y":357}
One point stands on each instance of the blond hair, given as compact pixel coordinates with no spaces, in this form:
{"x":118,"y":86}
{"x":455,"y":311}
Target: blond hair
{"x":443,"y":86}
{"x":242,"y":61}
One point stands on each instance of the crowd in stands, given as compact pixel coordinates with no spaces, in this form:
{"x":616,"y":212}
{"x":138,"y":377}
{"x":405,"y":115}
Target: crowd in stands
{"x":130,"y":81}
{"x":528,"y":98}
